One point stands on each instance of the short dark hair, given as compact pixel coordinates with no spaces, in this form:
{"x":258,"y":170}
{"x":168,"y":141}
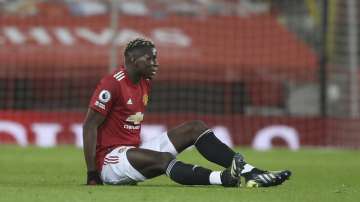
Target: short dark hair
{"x":138,"y":43}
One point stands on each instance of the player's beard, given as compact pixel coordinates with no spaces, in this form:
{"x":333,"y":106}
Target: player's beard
{"x":152,"y":74}
{"x":151,"y":77}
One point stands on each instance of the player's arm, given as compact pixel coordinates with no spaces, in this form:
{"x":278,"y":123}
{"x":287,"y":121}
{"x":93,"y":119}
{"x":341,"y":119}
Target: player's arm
{"x":92,"y":122}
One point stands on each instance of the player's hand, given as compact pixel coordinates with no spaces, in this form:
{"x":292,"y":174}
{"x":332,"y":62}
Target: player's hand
{"x":93,"y":178}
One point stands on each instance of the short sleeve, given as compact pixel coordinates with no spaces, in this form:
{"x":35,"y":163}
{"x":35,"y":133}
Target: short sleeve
{"x":104,"y":96}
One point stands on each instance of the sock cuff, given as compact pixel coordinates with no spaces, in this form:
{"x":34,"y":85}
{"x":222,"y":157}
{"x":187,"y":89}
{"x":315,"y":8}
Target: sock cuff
{"x":170,"y":166}
{"x":203,"y":134}
{"x":215,"y":177}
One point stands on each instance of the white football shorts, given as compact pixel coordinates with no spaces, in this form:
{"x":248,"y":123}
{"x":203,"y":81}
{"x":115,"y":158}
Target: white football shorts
{"x":117,"y":169}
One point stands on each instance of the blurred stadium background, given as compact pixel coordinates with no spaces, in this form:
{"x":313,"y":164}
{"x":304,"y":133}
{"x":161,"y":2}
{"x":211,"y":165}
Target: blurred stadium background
{"x":260,"y":72}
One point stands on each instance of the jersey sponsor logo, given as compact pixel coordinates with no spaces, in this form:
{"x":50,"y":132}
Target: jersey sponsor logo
{"x":131,"y":127}
{"x":119,"y":75}
{"x":145,"y":99}
{"x":104,"y":96}
{"x":129,"y":102}
{"x":136,"y":118}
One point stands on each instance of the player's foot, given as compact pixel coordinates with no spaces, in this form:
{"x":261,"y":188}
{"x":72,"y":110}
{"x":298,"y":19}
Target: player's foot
{"x":260,"y":178}
{"x":231,"y":176}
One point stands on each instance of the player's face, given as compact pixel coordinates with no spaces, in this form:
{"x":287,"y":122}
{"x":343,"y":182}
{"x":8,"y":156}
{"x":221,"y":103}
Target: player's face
{"x":147,"y":64}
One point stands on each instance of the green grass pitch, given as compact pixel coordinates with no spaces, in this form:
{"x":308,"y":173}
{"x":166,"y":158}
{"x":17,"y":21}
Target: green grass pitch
{"x":57,"y":174}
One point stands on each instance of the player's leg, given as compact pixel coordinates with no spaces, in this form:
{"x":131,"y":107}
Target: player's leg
{"x":152,"y":163}
{"x":197,"y":133}
{"x":125,"y":165}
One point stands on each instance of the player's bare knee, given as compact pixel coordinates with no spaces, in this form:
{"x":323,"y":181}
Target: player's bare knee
{"x":197,"y":128}
{"x":164,"y":159}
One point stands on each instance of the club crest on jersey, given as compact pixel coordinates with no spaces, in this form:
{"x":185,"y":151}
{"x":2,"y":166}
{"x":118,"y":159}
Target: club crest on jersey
{"x":145,"y":99}
{"x":104,"y":96}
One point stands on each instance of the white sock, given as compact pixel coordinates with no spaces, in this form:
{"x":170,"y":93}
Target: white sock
{"x":215,"y":177}
{"x":247,"y":168}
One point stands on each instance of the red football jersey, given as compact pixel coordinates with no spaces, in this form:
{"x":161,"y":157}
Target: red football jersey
{"x":123,"y":103}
